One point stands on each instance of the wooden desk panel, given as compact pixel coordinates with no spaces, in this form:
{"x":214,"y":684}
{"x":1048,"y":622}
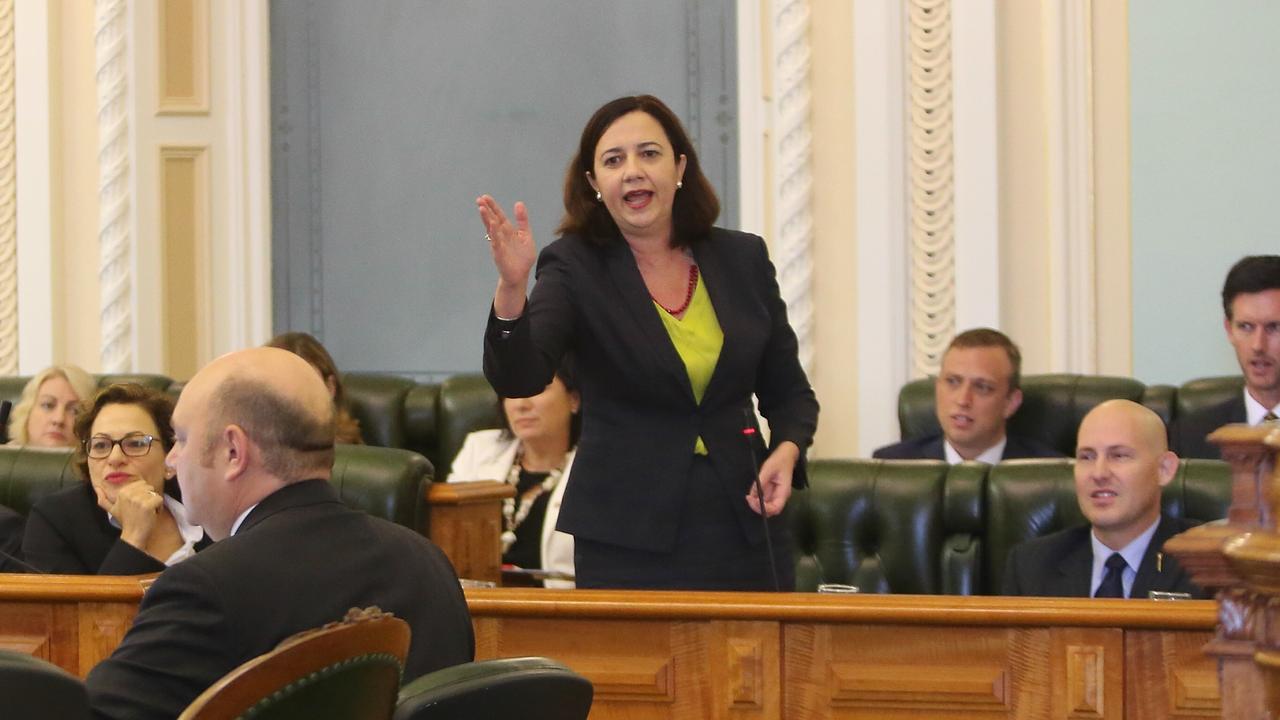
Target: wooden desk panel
{"x":71,"y":621}
{"x":873,"y":656}
{"x":758,"y":655}
{"x":465,"y":520}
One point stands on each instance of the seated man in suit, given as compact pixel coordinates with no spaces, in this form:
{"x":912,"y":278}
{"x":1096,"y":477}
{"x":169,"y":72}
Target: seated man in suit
{"x":1122,"y":463}
{"x":1251,"y":304}
{"x":253,"y":451}
{"x":976,"y":391}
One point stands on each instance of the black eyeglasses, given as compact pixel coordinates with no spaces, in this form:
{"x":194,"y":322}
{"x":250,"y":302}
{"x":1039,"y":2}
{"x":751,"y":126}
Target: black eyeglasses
{"x":134,"y":444}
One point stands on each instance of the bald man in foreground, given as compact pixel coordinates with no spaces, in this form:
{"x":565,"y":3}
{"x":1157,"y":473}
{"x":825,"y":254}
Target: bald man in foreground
{"x":1122,"y":464}
{"x":254,"y":436}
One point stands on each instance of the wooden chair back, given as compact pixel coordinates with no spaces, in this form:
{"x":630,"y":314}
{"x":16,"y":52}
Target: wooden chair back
{"x":348,"y":670}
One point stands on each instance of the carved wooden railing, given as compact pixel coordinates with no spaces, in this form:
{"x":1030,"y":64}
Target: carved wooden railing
{"x":1239,"y":561}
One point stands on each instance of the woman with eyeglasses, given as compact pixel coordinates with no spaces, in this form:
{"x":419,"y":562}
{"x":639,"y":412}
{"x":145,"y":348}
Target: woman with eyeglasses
{"x":126,"y":518}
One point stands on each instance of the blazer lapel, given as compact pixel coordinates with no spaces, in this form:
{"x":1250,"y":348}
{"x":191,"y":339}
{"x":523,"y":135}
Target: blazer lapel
{"x":624,"y":273}
{"x":1075,"y":571}
{"x":1154,"y":573}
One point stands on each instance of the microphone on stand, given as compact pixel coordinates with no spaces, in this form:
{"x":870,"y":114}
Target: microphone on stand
{"x":748,"y":431}
{"x":6,"y":407}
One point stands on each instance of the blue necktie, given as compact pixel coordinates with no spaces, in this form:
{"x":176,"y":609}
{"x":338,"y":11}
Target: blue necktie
{"x":1112,"y":585}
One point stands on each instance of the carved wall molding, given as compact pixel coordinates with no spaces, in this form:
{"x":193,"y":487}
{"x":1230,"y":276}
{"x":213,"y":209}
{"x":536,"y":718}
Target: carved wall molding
{"x":791,"y":148}
{"x":183,"y":69}
{"x":115,"y":268}
{"x":931,"y":176}
{"x":8,"y":197}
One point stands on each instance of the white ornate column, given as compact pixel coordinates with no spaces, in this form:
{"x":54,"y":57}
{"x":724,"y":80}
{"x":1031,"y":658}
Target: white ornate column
{"x":791,"y":183}
{"x":8,"y":197}
{"x":115,"y":272}
{"x":1069,"y":87}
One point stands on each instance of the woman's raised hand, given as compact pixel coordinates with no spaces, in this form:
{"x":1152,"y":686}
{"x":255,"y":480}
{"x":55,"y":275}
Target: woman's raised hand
{"x":513,"y":254}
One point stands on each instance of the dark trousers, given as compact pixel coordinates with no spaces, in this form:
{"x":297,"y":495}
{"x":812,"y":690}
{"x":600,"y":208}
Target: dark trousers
{"x":711,"y":550}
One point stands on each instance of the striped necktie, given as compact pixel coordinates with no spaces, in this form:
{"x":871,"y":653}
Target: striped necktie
{"x":1270,"y":416}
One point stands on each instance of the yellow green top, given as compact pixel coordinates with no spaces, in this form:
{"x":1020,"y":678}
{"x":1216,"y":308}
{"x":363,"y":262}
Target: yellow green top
{"x":698,"y":339}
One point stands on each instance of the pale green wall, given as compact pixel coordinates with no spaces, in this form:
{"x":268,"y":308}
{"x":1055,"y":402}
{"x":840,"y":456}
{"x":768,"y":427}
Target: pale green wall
{"x":1206,"y":162}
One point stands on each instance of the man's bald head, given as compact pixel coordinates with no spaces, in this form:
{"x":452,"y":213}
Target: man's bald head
{"x":1122,"y":462}
{"x":280,"y":402}
{"x":1147,"y":426}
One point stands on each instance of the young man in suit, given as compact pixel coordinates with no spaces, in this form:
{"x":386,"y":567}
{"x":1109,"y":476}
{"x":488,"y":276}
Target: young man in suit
{"x":976,"y":392}
{"x":1251,"y":307}
{"x":253,"y":451}
{"x":1122,"y":464}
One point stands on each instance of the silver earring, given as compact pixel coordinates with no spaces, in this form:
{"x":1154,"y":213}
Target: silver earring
{"x":599,"y":197}
{"x":679,"y":184}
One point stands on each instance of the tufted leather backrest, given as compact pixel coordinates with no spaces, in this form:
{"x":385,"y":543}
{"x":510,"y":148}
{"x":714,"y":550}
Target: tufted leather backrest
{"x":27,"y":474}
{"x":427,"y":418}
{"x":1052,"y":406}
{"x":877,"y":525}
{"x":1032,"y":498}
{"x":11,"y":385}
{"x":1196,"y":395}
{"x":384,"y":482}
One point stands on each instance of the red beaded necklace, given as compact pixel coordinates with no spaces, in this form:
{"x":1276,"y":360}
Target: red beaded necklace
{"x":688,"y":298}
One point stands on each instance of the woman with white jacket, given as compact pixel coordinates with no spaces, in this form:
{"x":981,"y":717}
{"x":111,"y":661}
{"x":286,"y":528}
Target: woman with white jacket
{"x":533,"y":453}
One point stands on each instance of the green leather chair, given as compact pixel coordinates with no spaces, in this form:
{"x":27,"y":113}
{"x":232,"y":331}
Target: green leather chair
{"x":385,"y":482}
{"x":1052,"y":406}
{"x":28,"y":474}
{"x":429,"y":419}
{"x":1194,"y":397}
{"x":11,"y":385}
{"x":1030,"y":498}
{"x":876,"y":525}
{"x":32,"y":689}
{"x":529,"y":688}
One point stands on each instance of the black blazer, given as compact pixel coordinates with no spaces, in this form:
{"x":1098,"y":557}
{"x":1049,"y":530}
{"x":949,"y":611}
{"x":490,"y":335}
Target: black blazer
{"x":11,"y":523}
{"x":300,"y":559}
{"x":640,"y":419}
{"x":931,"y":448}
{"x":69,"y":534}
{"x":1061,"y":565}
{"x":1190,"y":430}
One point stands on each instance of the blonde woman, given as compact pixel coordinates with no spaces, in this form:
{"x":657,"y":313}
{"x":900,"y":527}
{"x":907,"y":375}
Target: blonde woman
{"x":46,"y":413}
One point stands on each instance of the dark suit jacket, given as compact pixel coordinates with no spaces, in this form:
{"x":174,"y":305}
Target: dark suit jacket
{"x":11,"y":523}
{"x":931,"y":448}
{"x":1190,"y":430}
{"x":1061,"y":565}
{"x":67,"y":533}
{"x":640,"y":419}
{"x":300,"y":559}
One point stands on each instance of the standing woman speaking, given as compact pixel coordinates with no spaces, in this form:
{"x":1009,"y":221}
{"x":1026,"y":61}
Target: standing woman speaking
{"x":674,"y":325}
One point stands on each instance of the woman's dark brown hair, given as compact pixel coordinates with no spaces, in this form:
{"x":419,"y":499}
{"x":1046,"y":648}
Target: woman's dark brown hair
{"x":695,"y":207}
{"x":305,"y":346}
{"x":568,"y":375}
{"x":156,"y":404}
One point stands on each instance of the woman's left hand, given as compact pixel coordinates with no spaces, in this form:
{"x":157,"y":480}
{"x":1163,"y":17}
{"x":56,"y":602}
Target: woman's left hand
{"x":775,"y":479}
